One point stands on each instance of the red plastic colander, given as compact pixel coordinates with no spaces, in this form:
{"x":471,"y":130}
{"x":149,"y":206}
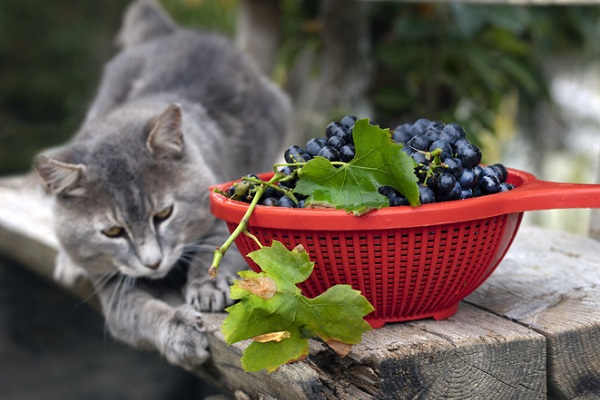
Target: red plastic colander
{"x":410,"y":263}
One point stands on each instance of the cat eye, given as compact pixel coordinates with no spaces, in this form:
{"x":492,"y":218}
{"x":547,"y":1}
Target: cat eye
{"x":163,"y":214}
{"x":114,"y":232}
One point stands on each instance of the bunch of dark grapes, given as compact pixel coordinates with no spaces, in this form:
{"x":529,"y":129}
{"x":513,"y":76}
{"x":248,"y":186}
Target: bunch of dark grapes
{"x":337,"y":145}
{"x":448,"y":165}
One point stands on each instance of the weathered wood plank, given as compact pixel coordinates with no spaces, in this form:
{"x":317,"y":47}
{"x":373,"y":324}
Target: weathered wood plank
{"x":472,"y":355}
{"x":549,"y":282}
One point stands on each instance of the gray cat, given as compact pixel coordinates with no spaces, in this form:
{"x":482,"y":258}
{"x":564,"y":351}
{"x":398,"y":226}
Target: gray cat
{"x":176,"y":112}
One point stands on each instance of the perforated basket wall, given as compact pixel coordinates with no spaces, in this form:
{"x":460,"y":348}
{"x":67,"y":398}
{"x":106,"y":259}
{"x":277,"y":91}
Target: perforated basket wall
{"x":406,"y":273}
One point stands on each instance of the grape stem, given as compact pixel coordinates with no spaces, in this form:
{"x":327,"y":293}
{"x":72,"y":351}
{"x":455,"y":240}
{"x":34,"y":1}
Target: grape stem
{"x":241,"y":228}
{"x":271,"y":183}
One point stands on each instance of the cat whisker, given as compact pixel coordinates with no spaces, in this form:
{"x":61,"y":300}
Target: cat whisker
{"x":98,"y":284}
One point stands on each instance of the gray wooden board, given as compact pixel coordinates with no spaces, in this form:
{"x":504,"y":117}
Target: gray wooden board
{"x":549,"y":282}
{"x":531,"y":328}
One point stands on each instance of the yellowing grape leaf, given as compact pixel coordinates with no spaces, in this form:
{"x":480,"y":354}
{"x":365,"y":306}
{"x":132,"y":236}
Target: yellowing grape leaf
{"x":336,"y":316}
{"x":353,"y":186}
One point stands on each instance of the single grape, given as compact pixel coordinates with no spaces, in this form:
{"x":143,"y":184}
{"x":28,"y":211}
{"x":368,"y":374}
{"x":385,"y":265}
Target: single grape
{"x":478,"y":171}
{"x":502,"y":173}
{"x":314,"y":145}
{"x":431,"y":181}
{"x":295,"y":154}
{"x":404,"y":129}
{"x":387,"y":191}
{"x":432,"y":134}
{"x":426,"y":195}
{"x":347,"y":152}
{"x":345,"y":135}
{"x":419,"y":142}
{"x":490,"y":171}
{"x":444,"y":183}
{"x":459,"y":143}
{"x":453,"y":194}
{"x":437,"y":125}
{"x":401,"y":136}
{"x":420,"y":126}
{"x":466,"y":194}
{"x":468,"y":178}
{"x":453,"y":166}
{"x":489,"y":184}
{"x":452,"y":132}
{"x":332,"y":129}
{"x":442,"y":145}
{"x":397,"y":200}
{"x":268,"y":201}
{"x":336,"y":141}
{"x":330,"y":153}
{"x":469,"y":155}
{"x":348,"y":121}
{"x":505,"y":187}
{"x":286,"y":202}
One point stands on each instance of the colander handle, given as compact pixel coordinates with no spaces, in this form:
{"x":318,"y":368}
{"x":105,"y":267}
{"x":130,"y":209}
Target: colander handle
{"x":538,"y":194}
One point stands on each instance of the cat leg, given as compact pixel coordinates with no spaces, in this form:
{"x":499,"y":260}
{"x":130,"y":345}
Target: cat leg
{"x":66,"y":271}
{"x":134,"y":317}
{"x":212,"y":294}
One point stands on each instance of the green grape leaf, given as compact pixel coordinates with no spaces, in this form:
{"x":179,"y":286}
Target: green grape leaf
{"x":353,"y":186}
{"x":272,"y":311}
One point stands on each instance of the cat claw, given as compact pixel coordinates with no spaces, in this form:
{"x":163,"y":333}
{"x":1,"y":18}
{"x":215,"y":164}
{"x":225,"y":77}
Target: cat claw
{"x":209,"y":294}
{"x":184,"y":339}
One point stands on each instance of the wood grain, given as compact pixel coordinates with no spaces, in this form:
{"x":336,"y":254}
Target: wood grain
{"x":549,"y":282}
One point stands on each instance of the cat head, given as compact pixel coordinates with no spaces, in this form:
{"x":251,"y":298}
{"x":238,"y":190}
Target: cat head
{"x":129,"y":194}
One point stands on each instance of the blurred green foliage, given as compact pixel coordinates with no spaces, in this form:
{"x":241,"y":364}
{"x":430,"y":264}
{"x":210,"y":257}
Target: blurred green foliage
{"x":51,"y":55}
{"x":455,"y":62}
{"x":461,"y":62}
{"x":213,"y":15}
{"x":51,"y":59}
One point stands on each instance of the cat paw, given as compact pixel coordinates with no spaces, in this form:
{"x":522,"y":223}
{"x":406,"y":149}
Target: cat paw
{"x":209,"y":294}
{"x":184,"y":339}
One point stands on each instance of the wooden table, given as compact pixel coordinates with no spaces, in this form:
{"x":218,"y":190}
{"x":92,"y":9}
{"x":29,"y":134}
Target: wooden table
{"x":531,"y":331}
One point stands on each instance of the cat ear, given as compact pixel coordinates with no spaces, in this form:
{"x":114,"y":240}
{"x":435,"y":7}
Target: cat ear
{"x":166,"y":136}
{"x":59,"y":177}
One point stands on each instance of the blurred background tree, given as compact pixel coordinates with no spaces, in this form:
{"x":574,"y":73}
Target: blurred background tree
{"x":51,"y":60}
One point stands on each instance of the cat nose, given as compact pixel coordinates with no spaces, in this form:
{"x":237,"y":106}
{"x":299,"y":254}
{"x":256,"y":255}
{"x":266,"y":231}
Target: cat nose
{"x":153,"y":266}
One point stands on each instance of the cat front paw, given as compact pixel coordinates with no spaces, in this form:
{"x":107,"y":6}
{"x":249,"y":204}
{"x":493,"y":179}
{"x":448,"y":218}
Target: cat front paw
{"x":209,"y":294}
{"x":184,"y":341}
